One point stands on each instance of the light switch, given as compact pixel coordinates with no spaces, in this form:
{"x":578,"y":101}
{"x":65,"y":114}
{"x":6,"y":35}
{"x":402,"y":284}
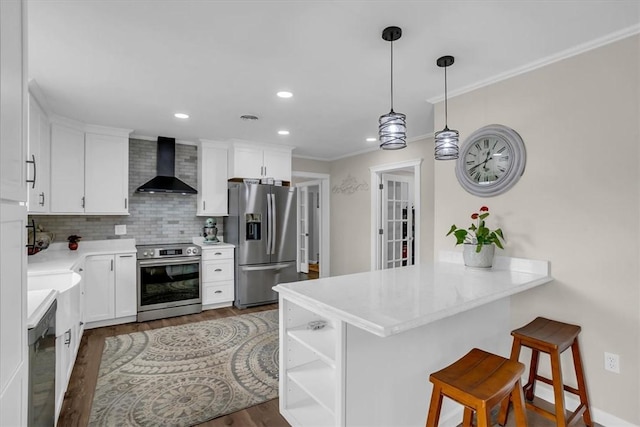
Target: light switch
{"x":121,"y":229}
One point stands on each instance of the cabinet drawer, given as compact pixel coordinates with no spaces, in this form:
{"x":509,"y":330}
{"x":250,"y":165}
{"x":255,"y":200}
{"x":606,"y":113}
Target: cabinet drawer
{"x":216,"y":293}
{"x":217,"y":253}
{"x":213,"y":271}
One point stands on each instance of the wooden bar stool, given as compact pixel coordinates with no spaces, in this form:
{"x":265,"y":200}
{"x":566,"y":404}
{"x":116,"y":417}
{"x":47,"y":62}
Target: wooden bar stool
{"x":551,"y":337}
{"x":479,"y":381}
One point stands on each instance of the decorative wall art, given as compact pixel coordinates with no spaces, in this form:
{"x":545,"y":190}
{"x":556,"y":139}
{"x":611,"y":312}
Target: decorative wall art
{"x":350,"y":185}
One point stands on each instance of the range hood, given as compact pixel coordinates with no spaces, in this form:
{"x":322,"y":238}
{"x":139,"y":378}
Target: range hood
{"x":166,"y":182}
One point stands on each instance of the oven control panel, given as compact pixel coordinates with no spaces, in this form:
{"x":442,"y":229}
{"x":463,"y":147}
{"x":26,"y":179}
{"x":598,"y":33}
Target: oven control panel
{"x":177,"y":251}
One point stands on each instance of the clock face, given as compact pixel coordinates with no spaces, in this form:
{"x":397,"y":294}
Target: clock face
{"x":488,"y":159}
{"x":492,"y":160}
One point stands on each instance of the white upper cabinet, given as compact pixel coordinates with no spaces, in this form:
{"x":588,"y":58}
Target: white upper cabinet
{"x":106,"y":174}
{"x":39,"y":156}
{"x":67,"y":169}
{"x":13,"y":120}
{"x":89,"y":169}
{"x":212,"y":179}
{"x":248,"y":160}
{"x":14,"y":360}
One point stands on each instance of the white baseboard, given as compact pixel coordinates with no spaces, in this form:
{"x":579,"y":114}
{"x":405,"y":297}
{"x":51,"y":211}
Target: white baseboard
{"x":545,"y":392}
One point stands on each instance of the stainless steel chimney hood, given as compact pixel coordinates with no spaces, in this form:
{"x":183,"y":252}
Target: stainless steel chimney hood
{"x":165,"y":181}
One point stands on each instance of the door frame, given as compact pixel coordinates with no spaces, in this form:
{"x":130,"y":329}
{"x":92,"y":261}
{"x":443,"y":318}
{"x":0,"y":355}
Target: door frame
{"x":377,"y":206}
{"x":323,"y":180}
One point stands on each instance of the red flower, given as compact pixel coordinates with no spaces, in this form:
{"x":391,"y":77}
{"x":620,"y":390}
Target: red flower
{"x":484,"y":209}
{"x":474,"y":216}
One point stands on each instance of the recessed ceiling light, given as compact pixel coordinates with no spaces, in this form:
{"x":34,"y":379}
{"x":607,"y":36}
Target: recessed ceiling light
{"x":283,"y":132}
{"x":181,"y":115}
{"x":372,"y":139}
{"x":284,"y":94}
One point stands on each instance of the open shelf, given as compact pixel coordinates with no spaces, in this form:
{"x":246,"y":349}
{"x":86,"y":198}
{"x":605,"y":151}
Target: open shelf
{"x":316,"y":379}
{"x":321,"y":341}
{"x":310,"y":413}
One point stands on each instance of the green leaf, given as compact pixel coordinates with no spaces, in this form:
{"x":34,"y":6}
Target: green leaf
{"x":453,"y":228}
{"x":484,"y":215}
{"x":460,"y":236}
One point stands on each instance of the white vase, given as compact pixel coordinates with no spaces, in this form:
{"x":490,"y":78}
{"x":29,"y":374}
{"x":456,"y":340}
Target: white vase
{"x":482,"y":259}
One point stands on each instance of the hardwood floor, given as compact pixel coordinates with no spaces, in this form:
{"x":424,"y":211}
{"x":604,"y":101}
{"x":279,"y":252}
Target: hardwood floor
{"x":76,"y":407}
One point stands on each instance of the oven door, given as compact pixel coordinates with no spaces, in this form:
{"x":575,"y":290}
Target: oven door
{"x":168,"y":283}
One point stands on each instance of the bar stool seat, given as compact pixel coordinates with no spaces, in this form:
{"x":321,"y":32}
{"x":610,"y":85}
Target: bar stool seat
{"x":551,"y":337}
{"x":479,"y":381}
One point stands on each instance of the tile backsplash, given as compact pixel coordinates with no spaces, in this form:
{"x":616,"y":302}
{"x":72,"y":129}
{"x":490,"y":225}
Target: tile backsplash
{"x":153,"y":218}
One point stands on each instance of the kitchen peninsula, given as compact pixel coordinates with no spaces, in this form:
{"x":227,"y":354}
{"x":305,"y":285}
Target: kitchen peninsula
{"x":358,"y":349}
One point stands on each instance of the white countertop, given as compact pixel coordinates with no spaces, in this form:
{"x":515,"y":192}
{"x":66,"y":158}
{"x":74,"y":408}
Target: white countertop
{"x":38,"y":302}
{"x":387,"y":302}
{"x":200,"y":242}
{"x":58,"y":258}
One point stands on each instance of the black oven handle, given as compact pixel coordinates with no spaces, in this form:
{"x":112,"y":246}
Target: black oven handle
{"x":172,"y":261}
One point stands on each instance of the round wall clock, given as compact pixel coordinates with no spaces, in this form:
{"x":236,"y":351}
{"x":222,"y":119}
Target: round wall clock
{"x":491,"y":160}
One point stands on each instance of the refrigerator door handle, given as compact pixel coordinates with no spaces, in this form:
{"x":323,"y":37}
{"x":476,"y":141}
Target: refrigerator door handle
{"x":269,"y":234}
{"x":273,"y":224}
{"x":266,"y":267}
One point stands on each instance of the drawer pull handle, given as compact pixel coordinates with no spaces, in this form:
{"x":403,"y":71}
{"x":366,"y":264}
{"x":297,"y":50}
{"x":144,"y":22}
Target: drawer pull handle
{"x":218,"y":253}
{"x":217,"y":269}
{"x":218,"y":292}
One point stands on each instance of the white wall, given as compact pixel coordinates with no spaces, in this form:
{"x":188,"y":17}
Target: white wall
{"x":577,"y":204}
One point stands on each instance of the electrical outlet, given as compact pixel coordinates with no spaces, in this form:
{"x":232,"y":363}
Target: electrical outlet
{"x":121,"y":229}
{"x":611,"y":362}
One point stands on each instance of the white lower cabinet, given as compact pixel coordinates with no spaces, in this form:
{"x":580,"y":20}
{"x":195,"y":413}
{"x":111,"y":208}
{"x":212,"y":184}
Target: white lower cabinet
{"x":217,"y":276}
{"x":110,"y":288}
{"x":311,"y":367}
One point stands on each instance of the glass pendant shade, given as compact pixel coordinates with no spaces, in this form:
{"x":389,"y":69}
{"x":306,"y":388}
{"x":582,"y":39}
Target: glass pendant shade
{"x":446,"y":139}
{"x":447,"y":144}
{"x":393,"y":131}
{"x":392,"y":128}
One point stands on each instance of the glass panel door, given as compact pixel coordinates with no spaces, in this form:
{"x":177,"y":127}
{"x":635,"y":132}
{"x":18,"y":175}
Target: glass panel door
{"x":397,"y":222}
{"x":303,"y":238}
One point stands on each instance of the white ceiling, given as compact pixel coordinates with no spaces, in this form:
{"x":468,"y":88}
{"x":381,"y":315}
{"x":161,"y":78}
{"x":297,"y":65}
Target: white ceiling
{"x":132,"y":64}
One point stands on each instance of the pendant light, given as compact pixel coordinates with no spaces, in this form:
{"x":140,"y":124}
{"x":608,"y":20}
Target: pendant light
{"x":392,"y":126}
{"x":446,"y":139}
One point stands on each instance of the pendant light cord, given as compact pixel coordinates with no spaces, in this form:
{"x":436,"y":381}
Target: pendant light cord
{"x":392,"y":75}
{"x":445,"y":98}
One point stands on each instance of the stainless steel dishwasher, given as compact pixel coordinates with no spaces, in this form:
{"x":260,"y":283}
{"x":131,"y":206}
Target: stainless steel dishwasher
{"x":42,"y":370}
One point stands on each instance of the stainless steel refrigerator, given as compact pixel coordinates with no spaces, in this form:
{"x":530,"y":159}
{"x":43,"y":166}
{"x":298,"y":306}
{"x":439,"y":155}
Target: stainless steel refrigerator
{"x":262,"y":226}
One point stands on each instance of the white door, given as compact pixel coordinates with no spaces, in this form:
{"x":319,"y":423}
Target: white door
{"x":106,"y":174}
{"x":303,"y":228}
{"x":99,"y":287}
{"x":67,"y":169}
{"x":125,"y":286}
{"x":397,"y":221}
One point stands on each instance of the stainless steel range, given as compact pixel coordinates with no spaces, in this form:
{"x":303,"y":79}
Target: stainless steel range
{"x":168,"y":280}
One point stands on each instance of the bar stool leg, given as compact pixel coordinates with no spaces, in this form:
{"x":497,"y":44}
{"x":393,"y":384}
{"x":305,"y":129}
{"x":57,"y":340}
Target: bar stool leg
{"x":519,"y":407}
{"x":434,"y":407}
{"x":467,"y":420}
{"x":504,"y":406}
{"x":530,"y":387}
{"x":558,"y":389}
{"x":484,"y":417}
{"x":582,"y":386}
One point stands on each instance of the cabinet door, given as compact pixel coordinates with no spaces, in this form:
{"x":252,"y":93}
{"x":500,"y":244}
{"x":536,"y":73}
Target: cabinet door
{"x":99,"y":287}
{"x":67,"y":169}
{"x":212,"y":180}
{"x":247,"y":163}
{"x":277,"y":164}
{"x":13,"y":120}
{"x":125,"y":292}
{"x":106,"y":174}
{"x":13,"y":328}
{"x":39,"y":152}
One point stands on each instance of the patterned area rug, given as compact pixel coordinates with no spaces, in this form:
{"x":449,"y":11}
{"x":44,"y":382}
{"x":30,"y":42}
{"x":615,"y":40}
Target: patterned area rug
{"x":188,"y":374}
